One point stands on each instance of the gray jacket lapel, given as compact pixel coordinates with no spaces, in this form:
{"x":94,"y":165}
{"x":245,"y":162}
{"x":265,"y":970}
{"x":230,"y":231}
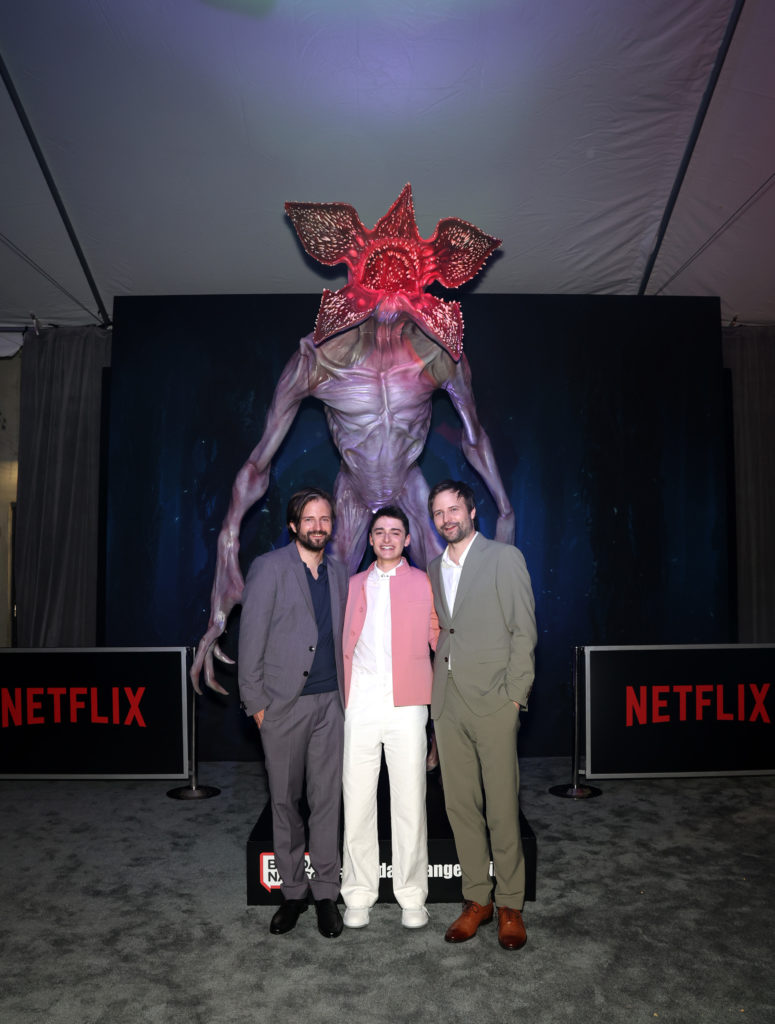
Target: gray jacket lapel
{"x":437,"y":584}
{"x":468,"y":572}
{"x":337,"y":589}
{"x":299,"y":570}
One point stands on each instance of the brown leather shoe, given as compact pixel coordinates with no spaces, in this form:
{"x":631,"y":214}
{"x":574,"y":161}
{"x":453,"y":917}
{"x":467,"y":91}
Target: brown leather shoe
{"x":511,"y":928}
{"x":466,"y":925}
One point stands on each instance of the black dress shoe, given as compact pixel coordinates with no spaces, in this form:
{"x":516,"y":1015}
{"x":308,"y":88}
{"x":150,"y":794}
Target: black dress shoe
{"x":286,"y":917}
{"x":330,"y":921}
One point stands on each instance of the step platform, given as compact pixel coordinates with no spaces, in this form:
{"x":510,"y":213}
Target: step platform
{"x":263,"y":880}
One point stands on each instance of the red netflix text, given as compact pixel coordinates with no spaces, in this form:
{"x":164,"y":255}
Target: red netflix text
{"x":745,"y":702}
{"x":58,"y":705}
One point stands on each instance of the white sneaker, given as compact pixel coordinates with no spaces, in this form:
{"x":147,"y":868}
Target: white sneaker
{"x":414,"y":917}
{"x":356,"y":917}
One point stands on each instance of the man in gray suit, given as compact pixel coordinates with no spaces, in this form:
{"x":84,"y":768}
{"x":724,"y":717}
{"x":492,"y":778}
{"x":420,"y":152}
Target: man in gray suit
{"x":291,"y":682}
{"x":483,"y":673}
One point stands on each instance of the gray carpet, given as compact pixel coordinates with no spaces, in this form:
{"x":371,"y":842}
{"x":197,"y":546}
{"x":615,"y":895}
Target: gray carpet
{"x":119,"y":905}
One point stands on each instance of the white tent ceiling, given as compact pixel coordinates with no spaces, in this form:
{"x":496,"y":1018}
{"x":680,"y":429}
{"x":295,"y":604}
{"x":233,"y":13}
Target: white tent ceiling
{"x":174,"y":131}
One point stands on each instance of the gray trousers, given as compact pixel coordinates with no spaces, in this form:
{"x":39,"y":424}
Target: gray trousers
{"x":479,"y":766}
{"x":308,"y":741}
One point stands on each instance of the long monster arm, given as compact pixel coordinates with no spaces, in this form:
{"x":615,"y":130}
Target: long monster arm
{"x":477,"y":448}
{"x":249,"y":487}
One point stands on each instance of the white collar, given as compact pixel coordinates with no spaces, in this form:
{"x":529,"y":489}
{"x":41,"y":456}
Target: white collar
{"x":380,"y":575}
{"x":446,"y":560}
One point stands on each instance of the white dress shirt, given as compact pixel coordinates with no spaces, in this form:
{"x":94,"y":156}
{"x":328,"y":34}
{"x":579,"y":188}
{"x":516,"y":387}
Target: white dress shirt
{"x":372,"y":676}
{"x":450,"y":573}
{"x":450,"y":577}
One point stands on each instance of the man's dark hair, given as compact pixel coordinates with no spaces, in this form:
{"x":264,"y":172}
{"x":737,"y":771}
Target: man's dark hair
{"x":301,"y":499}
{"x":393,"y":512}
{"x":461,"y":489}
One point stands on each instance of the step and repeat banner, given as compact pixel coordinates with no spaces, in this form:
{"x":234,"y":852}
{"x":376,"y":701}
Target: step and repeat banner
{"x":680,"y":710}
{"x":109,"y":713}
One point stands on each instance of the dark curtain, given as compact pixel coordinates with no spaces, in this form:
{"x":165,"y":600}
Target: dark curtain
{"x":57,"y":509}
{"x":749,"y":352}
{"x":58,"y":490}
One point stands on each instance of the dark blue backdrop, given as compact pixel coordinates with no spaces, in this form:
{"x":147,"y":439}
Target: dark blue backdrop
{"x":609,"y":424}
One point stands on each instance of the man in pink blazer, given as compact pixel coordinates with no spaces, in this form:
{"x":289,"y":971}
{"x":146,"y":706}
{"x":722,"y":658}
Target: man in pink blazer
{"x":390,"y":626}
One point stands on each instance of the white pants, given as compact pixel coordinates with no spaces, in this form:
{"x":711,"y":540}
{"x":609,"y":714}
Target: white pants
{"x":402,"y":733}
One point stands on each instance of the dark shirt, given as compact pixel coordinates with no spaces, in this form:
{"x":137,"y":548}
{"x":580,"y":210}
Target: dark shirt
{"x":322,"y":675}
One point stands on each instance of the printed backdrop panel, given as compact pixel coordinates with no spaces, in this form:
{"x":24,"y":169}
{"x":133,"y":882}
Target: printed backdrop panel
{"x":608,"y":421}
{"x":695,"y":710}
{"x":93,"y":713}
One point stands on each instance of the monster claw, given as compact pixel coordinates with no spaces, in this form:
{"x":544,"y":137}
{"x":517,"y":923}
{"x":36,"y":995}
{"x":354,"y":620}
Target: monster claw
{"x":215,"y":685}
{"x":221,"y":656}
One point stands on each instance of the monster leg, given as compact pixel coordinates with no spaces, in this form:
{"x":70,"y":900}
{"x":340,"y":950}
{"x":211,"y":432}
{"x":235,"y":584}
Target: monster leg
{"x":425,"y":546}
{"x":352,"y":522}
{"x":414,"y":501}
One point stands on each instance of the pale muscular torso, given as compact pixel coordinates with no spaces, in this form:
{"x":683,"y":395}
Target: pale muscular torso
{"x":376,"y":384}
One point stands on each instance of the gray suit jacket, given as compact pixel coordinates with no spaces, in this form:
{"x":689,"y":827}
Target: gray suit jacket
{"x":491,"y":634}
{"x":278,"y":632}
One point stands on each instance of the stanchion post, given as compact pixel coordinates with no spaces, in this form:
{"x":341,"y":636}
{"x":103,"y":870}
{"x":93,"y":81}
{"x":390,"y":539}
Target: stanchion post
{"x":193,"y":791}
{"x":574,"y":791}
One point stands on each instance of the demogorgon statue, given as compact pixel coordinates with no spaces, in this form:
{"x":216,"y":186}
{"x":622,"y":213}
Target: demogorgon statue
{"x":380,"y":348}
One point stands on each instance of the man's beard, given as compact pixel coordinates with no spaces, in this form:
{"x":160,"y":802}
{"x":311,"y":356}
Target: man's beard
{"x":462,"y":531}
{"x":317,"y":542}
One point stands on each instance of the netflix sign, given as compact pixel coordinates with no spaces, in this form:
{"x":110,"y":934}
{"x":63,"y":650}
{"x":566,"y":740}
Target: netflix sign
{"x":93,"y":713}
{"x":681,"y":710}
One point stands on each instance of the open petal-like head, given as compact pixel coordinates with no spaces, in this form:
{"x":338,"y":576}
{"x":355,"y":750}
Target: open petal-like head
{"x":390,"y":267}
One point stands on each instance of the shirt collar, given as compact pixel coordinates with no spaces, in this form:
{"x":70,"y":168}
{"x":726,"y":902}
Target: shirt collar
{"x":447,"y":561}
{"x":322,"y":567}
{"x":380,"y":575}
{"x":322,"y":561}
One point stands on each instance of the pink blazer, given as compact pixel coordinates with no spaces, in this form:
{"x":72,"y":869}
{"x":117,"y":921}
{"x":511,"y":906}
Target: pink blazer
{"x":413,"y":626}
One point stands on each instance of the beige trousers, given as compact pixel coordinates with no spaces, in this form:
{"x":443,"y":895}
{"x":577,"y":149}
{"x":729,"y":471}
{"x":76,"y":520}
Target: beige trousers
{"x":480,"y":771}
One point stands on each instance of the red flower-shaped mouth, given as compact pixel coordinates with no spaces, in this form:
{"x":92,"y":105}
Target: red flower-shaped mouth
{"x":390,"y":266}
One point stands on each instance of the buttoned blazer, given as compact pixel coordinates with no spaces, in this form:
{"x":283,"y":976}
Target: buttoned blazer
{"x":278,"y":631}
{"x":413,"y":629}
{"x":491,"y":634}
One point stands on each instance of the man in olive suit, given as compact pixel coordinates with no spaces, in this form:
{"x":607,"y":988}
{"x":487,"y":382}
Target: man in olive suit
{"x":483,"y":674}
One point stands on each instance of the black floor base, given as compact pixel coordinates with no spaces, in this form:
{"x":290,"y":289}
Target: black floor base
{"x":263,"y":881}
